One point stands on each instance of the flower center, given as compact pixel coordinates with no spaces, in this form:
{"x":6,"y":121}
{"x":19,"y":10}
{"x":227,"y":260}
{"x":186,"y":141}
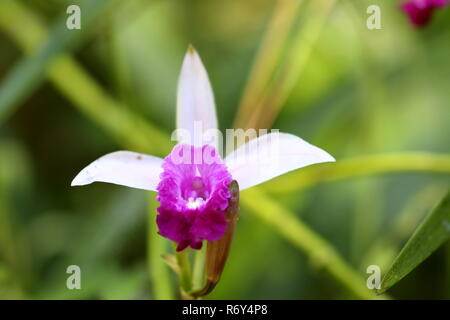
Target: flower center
{"x":197,"y":193}
{"x":194,"y":203}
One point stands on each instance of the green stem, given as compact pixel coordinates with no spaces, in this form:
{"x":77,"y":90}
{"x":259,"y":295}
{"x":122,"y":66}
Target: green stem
{"x":300,"y":235}
{"x":185,"y":271}
{"x":198,"y":273}
{"x":359,"y":167}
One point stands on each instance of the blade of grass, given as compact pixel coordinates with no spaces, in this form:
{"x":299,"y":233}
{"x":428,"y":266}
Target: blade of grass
{"x":430,"y":235}
{"x":268,"y":107}
{"x":358,"y":167}
{"x":272,"y":44}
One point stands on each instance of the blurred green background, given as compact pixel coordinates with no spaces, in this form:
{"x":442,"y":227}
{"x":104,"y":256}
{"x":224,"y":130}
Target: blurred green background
{"x":68,"y":97}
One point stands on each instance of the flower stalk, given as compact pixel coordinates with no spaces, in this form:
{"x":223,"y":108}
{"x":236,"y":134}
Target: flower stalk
{"x":185,"y":272}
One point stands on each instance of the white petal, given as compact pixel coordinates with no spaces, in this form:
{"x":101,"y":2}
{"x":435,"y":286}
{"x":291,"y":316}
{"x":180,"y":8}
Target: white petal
{"x":195,"y":100}
{"x":126,"y":168}
{"x":272,"y":155}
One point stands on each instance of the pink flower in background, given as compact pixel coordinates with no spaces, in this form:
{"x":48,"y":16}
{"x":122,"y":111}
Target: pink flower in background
{"x":192,"y":181}
{"x":421,"y":11}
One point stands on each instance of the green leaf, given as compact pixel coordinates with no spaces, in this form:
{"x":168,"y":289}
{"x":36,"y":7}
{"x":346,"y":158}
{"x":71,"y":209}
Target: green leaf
{"x":429,"y":236}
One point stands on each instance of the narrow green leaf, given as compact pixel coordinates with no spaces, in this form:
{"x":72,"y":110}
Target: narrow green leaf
{"x":367,"y":165}
{"x":430,"y":235}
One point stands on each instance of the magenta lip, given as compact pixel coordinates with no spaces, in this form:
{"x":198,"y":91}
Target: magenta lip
{"x":193,"y":196}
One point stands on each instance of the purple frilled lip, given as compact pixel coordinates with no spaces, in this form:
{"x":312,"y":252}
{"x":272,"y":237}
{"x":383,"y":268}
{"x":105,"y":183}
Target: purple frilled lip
{"x":421,"y":11}
{"x":193,"y":195}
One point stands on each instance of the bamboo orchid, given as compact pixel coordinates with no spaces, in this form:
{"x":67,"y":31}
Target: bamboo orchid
{"x":192,"y":181}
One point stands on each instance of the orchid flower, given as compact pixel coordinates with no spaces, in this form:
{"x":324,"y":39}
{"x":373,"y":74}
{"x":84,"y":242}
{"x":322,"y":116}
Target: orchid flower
{"x":192,"y":181}
{"x":421,"y":11}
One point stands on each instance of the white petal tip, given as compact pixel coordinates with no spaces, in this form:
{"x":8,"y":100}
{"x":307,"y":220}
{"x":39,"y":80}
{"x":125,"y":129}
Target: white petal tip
{"x":329,"y":158}
{"x":193,"y":65}
{"x":191,"y":49}
{"x":124,"y":168}
{"x":191,"y":57}
{"x":79,"y":180}
{"x":75,"y":183}
{"x":323,"y":157}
